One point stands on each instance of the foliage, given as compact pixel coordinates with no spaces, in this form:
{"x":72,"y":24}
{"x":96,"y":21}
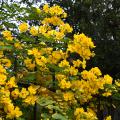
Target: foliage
{"x":36,"y":67}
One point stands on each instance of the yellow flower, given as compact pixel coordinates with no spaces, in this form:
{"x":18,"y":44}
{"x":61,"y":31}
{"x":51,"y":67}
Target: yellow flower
{"x":33,"y":89}
{"x":17,"y":111}
{"x":5,"y":100}
{"x":59,"y":35}
{"x":14,"y":113}
{"x":78,"y":111}
{"x":46,"y":8}
{"x":9,"y":108}
{"x":29,"y":64}
{"x":30,"y":100}
{"x":60,"y":77}
{"x":108,"y":118}
{"x":68,"y":96}
{"x":33,"y":31}
{"x":15,"y":93}
{"x":42,"y":29}
{"x":108,"y":79}
{"x":6,"y":62}
{"x":5,"y":92}
{"x":24,"y":93}
{"x":2,"y":79}
{"x":106,"y":94}
{"x":64,"y":63}
{"x":88,"y":75}
{"x":117,"y":83}
{"x":73,"y":71}
{"x":84,"y":64}
{"x":11,"y":83}
{"x":9,"y":38}
{"x":56,"y":10}
{"x":96,"y":71}
{"x":41,"y":61}
{"x":66,"y":28}
{"x":80,"y":114}
{"x":18,"y":45}
{"x":64,"y":15}
{"x":77,"y":63}
{"x":64,"y":84}
{"x":6,"y":33}
{"x":2,"y":69}
{"x":34,"y":52}
{"x":23,"y":27}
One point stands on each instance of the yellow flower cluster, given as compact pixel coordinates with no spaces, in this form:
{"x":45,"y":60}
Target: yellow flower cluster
{"x":80,"y":114}
{"x":90,"y":83}
{"x":2,"y":75}
{"x":29,"y":96}
{"x":7,"y":35}
{"x":84,"y":88}
{"x":56,"y":21}
{"x":61,"y":28}
{"x":82,"y":45}
{"x":64,"y":63}
{"x":12,"y":111}
{"x":34,"y":52}
{"x":10,"y":89}
{"x":73,"y":85}
{"x":5,"y":100}
{"x":60,"y":31}
{"x":54,"y":10}
{"x":46,"y":28}
{"x":56,"y":56}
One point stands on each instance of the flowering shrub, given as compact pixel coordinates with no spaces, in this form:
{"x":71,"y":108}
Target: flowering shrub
{"x":37,"y":66}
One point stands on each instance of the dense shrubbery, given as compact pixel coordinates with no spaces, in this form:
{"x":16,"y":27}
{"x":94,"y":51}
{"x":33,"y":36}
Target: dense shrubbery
{"x":36,"y":67}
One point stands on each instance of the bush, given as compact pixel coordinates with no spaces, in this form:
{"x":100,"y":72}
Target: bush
{"x":36,"y":68}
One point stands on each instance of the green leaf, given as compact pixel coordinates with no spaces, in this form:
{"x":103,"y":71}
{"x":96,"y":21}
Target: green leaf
{"x":31,"y":76}
{"x":27,"y":38}
{"x":54,"y":107}
{"x":9,"y":47}
{"x":55,"y":68}
{"x":116,"y":96}
{"x":45,"y":101}
{"x":10,"y":25}
{"x":20,"y":118}
{"x":58,"y":116}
